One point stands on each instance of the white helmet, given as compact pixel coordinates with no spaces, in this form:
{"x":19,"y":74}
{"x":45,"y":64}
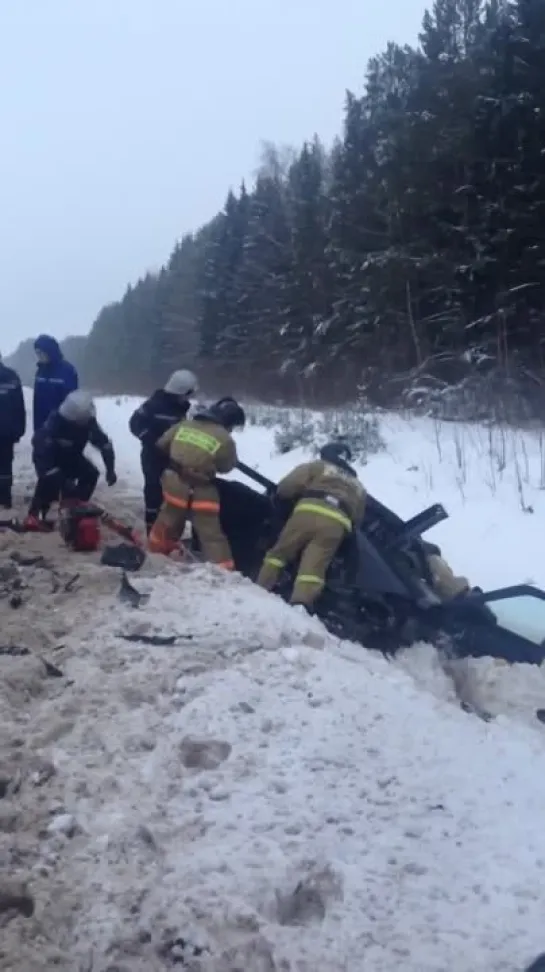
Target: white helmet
{"x":78,"y":407}
{"x":182,"y":382}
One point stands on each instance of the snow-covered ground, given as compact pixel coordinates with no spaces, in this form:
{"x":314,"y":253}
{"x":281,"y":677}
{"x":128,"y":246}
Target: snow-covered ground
{"x":257,"y":795}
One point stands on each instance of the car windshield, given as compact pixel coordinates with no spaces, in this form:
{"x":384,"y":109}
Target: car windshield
{"x":523,"y":615}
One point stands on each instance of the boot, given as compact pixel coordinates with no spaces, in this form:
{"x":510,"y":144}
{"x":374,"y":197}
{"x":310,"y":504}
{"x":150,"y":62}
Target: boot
{"x":34,"y":524}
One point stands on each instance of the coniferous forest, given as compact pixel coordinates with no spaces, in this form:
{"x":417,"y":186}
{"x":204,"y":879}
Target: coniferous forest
{"x":406,"y":259}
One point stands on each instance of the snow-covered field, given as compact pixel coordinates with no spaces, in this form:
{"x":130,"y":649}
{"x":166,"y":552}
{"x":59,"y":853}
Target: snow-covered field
{"x":257,"y":795}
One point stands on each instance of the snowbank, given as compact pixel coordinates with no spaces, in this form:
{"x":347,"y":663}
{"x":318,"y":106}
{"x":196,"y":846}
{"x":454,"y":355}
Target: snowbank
{"x":250,"y":792}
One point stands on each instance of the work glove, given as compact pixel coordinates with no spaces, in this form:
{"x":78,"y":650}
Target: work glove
{"x":111,"y":477}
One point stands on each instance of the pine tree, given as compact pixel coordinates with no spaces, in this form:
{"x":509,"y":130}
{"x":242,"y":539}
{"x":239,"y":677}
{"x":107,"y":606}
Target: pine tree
{"x":177,"y":340}
{"x":253,"y":344}
{"x":219,"y":314}
{"x":310,"y":292}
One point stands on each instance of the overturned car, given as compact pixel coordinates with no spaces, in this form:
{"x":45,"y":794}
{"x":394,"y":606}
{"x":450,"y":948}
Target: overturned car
{"x":379,"y":591}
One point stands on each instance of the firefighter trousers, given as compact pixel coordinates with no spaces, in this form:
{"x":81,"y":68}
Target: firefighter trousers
{"x":316,"y":537}
{"x":446,"y":583}
{"x":200,"y":505}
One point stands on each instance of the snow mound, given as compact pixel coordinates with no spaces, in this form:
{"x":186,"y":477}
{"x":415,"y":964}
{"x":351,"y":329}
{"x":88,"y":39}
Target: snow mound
{"x":485,"y":685}
{"x":217,"y":785}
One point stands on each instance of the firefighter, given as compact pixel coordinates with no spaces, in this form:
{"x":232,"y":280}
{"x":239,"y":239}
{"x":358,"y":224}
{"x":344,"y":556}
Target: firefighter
{"x":165,"y":408}
{"x":329,"y":504}
{"x":63,"y":471}
{"x":197,"y":450}
{"x":446,"y":583}
{"x":12,"y":427}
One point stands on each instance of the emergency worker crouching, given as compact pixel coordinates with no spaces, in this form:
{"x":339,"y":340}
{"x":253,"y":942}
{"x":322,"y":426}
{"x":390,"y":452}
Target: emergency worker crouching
{"x":63,"y":471}
{"x":330,"y":503}
{"x":197,"y":450}
{"x":165,"y":408}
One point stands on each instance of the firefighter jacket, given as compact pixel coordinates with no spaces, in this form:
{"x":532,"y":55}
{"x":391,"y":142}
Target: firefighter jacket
{"x":327,"y":490}
{"x":199,"y":449}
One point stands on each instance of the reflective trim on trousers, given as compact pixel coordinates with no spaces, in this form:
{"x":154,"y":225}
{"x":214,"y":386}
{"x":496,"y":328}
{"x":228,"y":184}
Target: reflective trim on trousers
{"x":305,"y":507}
{"x":308,"y":579}
{"x":197,"y":506}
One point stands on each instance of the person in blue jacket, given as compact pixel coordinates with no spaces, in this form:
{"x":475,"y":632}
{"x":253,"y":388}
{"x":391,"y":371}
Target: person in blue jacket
{"x":12,"y":427}
{"x":55,"y":379}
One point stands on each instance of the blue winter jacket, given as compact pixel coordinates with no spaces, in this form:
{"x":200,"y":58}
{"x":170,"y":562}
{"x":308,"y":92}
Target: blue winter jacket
{"x":12,"y":406}
{"x":54,"y":380}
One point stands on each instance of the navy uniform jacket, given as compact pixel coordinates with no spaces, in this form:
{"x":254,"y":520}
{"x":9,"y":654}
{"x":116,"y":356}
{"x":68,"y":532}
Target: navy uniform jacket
{"x":151,"y":420}
{"x":59,"y":445}
{"x":12,"y":405}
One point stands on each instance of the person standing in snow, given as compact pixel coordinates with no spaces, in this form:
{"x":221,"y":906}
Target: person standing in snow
{"x":165,"y":408}
{"x":12,"y":428}
{"x":55,"y":379}
{"x":197,"y":450}
{"x":63,"y":471}
{"x":329,"y":505}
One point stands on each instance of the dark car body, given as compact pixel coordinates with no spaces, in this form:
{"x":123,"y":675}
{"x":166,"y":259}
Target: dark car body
{"x":378,"y":589}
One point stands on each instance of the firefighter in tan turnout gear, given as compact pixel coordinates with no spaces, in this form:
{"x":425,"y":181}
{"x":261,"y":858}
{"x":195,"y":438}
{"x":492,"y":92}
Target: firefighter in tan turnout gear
{"x":330,"y":503}
{"x":446,"y":583}
{"x":197,"y":449}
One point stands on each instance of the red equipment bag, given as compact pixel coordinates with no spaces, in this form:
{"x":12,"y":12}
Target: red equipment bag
{"x":79,"y":526}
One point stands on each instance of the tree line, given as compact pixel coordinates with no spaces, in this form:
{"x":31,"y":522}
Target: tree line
{"x":408,"y":256}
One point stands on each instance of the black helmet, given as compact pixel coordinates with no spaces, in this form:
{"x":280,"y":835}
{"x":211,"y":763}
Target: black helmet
{"x":336,"y":452}
{"x":228,"y":413}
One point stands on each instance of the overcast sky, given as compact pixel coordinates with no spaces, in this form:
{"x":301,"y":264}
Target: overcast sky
{"x":124,"y":122}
